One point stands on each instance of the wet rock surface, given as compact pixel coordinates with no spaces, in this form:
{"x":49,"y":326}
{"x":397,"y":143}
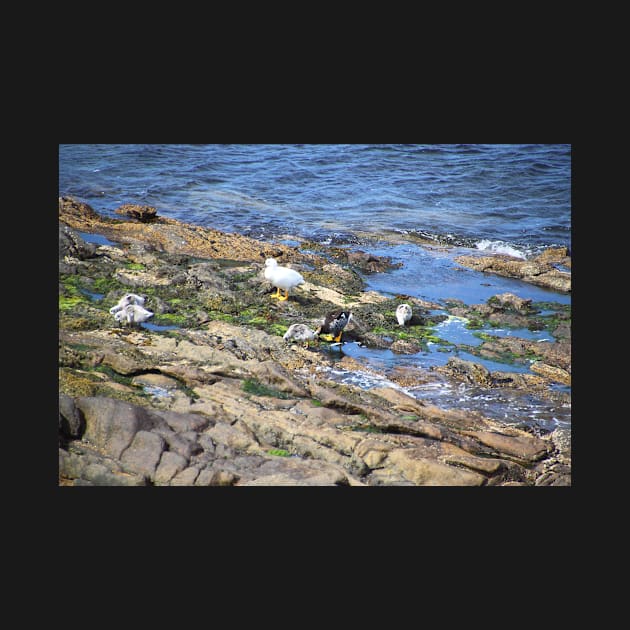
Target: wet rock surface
{"x":210,"y":394}
{"x":544,"y":270}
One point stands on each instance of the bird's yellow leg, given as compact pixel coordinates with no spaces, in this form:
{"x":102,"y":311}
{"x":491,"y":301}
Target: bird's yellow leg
{"x":276,"y":294}
{"x":286,"y":297}
{"x":338,"y":337}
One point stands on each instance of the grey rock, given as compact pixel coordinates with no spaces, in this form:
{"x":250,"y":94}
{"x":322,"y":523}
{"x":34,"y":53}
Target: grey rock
{"x":205,"y":275}
{"x":85,"y":468}
{"x":207,"y":443}
{"x":181,"y":422}
{"x":71,"y":244}
{"x":71,"y":421}
{"x":144,"y":453}
{"x":170,"y":465}
{"x":561,"y":437}
{"x":294,"y":471}
{"x":553,"y":478}
{"x":238,"y":437}
{"x":181,"y":444}
{"x":112,"y":424}
{"x":191,"y":436}
{"x":186,"y":477}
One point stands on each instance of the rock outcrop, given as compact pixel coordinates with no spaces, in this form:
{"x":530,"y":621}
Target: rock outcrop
{"x":542,"y":270}
{"x":212,"y":395}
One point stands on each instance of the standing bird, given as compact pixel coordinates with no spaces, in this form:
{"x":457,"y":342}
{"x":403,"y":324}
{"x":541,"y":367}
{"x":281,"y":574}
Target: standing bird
{"x":281,"y":278}
{"x":334,"y":323}
{"x":299,"y":332}
{"x":403,"y":314}
{"x":132,"y":314}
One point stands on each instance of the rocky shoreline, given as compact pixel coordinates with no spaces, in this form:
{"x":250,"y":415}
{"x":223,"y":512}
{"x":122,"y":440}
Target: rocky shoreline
{"x":211,"y":394}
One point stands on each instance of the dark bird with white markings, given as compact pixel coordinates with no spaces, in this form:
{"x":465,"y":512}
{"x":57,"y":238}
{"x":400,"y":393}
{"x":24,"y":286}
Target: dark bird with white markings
{"x":334,"y":323}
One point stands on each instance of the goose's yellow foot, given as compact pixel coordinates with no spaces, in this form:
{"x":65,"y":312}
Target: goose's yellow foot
{"x":286,"y":297}
{"x":276,"y":294}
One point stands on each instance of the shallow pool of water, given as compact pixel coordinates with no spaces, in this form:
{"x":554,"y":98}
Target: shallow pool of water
{"x":435,"y":276}
{"x":158,"y":327}
{"x":437,"y":355}
{"x":97,"y":297}
{"x":98,"y":239}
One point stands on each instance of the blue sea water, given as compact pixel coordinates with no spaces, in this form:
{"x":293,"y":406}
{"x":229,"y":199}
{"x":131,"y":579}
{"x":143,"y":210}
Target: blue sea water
{"x":483,"y":195}
{"x":506,"y":198}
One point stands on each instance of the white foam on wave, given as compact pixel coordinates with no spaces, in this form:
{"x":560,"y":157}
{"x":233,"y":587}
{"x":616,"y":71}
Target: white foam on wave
{"x":499,"y":247}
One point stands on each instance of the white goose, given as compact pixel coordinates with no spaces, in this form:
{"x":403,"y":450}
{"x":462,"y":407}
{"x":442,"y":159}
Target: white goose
{"x":281,"y":278}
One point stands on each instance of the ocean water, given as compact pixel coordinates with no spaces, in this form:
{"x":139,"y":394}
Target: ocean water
{"x":489,"y":196}
{"x":505,"y":198}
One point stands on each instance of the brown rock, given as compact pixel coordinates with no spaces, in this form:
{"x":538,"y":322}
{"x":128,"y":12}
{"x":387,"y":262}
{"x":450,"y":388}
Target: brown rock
{"x":112,"y":424}
{"x":416,"y":467}
{"x":523,"y":447}
{"x":210,"y":477}
{"x":535,"y":271}
{"x":186,"y":477}
{"x":371,"y":263}
{"x":170,"y":464}
{"x":144,"y":453}
{"x":238,"y":437}
{"x":555,"y":255}
{"x":274,"y":375}
{"x":510,"y":301}
{"x":372,"y":452}
{"x":288,"y":471}
{"x":191,"y":375}
{"x":402,"y":346}
{"x":140,"y":213}
{"x":128,"y":363}
{"x":468,"y":371}
{"x":552,"y":373}
{"x":70,"y":208}
{"x":459,"y":457}
{"x":172,"y":236}
{"x":183,"y":422}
